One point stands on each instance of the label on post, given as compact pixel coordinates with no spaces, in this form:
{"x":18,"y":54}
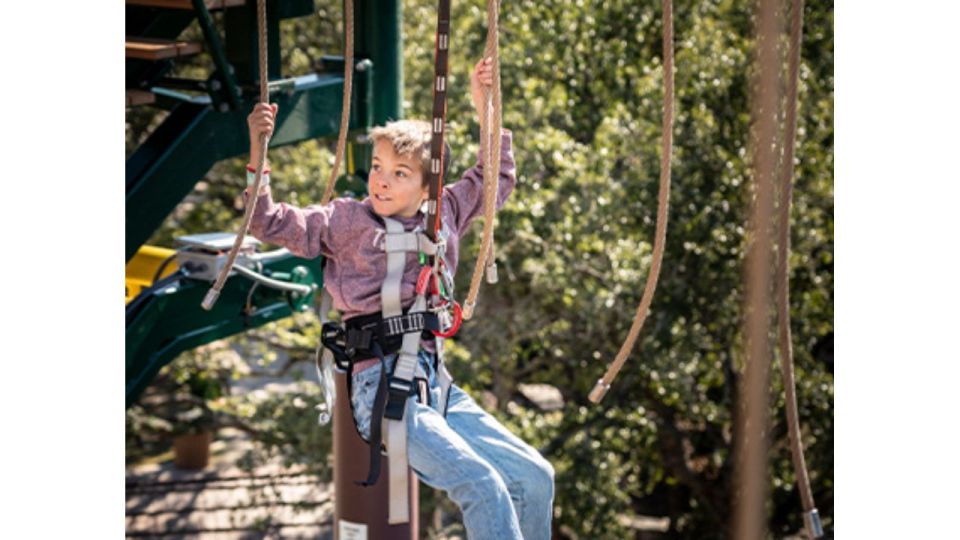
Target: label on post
{"x":352,"y":531}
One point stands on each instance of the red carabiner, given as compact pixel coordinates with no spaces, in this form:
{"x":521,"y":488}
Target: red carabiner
{"x":422,"y":279}
{"x":457,"y":319}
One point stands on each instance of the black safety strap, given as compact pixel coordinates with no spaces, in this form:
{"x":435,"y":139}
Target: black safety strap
{"x":376,"y":417}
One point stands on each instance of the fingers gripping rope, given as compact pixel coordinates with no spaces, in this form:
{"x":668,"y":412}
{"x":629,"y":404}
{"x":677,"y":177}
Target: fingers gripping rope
{"x":211,"y":298}
{"x":490,"y":126}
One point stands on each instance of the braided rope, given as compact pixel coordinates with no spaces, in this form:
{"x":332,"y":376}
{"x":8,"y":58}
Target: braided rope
{"x":347,"y":90}
{"x":490,"y":127}
{"x":752,"y":413}
{"x":783,"y":275}
{"x":660,"y":235}
{"x":214,"y":292}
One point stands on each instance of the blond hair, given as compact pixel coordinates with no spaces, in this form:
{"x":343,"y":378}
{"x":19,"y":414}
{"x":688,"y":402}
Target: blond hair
{"x":411,"y":138}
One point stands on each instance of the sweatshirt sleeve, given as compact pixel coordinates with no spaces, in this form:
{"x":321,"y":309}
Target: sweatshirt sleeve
{"x":463,"y":200}
{"x":307,"y":232}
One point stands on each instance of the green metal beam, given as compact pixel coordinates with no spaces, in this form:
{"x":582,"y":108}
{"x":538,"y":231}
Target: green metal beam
{"x":169,"y":321}
{"x":224,"y":71}
{"x":378,"y":35}
{"x":194,"y":137}
{"x":242,"y":46}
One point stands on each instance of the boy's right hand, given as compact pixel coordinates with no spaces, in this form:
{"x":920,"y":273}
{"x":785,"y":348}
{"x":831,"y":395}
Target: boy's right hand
{"x":261,"y":120}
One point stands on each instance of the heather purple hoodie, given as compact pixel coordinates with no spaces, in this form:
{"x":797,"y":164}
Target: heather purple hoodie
{"x":350,"y":235}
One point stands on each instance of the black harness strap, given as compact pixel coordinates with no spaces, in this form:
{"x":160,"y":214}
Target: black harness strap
{"x":376,"y":435}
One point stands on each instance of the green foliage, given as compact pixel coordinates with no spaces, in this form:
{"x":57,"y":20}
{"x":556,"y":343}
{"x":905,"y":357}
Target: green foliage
{"x":582,"y":95}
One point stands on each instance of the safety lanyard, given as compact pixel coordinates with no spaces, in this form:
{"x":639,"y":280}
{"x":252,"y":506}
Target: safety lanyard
{"x":439,"y":119}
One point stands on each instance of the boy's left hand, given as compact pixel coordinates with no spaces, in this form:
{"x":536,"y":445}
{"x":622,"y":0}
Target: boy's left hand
{"x":481,"y":79}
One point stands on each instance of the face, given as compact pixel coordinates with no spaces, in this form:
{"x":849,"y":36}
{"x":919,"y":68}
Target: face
{"x":395,"y":183}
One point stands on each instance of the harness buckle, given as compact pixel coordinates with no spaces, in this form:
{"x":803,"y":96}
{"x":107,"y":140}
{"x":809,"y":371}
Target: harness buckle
{"x":333,"y":337}
{"x":399,"y":391}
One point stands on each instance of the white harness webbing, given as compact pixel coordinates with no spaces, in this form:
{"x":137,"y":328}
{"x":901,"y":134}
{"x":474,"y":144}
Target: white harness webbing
{"x":324,"y":365}
{"x":397,"y":244}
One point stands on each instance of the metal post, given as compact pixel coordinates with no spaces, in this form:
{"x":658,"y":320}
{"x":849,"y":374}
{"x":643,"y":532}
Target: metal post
{"x":378,"y":36}
{"x":240,"y":27}
{"x":361,"y":512}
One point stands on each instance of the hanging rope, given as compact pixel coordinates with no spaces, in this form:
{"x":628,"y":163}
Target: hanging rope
{"x":347,"y":91}
{"x":490,"y":126}
{"x":660,"y":235}
{"x":752,"y":412}
{"x":214,"y":292}
{"x":811,"y":516}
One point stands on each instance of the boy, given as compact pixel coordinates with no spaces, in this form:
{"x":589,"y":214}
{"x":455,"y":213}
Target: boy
{"x":504,"y":487}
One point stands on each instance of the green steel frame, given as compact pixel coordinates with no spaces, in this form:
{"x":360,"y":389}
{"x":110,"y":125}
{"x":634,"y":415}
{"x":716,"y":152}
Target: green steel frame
{"x":201,"y":130}
{"x":166,"y":167}
{"x":163,"y":323}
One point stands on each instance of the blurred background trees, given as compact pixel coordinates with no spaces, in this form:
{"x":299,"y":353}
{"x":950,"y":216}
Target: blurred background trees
{"x":582,"y":94}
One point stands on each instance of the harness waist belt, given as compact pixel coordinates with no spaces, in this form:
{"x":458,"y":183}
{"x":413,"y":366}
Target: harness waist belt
{"x":355,"y":337}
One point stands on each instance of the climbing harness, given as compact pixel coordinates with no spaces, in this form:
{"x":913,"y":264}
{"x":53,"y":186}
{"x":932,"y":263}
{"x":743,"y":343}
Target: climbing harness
{"x":811,"y":517}
{"x":490,"y":126}
{"x":434,"y":315}
{"x":395,"y":331}
{"x":211,"y":298}
{"x":600,"y":389}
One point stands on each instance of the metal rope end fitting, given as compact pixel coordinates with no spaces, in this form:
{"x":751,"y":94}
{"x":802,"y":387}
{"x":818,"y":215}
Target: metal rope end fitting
{"x":468,"y":310}
{"x":599,"y":390}
{"x":492,"y":273}
{"x":812,"y":521}
{"x":210,"y":299}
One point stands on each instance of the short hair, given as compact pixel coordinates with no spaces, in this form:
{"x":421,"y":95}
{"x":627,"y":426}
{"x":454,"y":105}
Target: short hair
{"x":411,"y":138}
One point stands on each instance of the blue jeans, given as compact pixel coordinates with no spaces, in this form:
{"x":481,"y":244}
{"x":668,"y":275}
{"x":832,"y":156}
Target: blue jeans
{"x":503,"y":486}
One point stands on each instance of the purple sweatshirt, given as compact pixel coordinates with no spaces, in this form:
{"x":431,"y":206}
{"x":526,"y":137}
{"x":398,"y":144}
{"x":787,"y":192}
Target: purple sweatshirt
{"x":350,"y":235}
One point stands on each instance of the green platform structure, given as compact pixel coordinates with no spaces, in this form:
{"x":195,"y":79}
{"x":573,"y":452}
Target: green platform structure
{"x":207,"y":123}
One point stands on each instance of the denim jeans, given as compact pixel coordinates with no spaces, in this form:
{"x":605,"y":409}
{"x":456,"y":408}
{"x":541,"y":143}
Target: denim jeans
{"x":503,"y":486}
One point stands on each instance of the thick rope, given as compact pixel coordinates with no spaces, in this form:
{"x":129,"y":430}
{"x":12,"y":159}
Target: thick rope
{"x":783,"y":275}
{"x":214,"y":292}
{"x":490,"y":127}
{"x":662,"y":208}
{"x":752,"y":413}
{"x":347,"y":91}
